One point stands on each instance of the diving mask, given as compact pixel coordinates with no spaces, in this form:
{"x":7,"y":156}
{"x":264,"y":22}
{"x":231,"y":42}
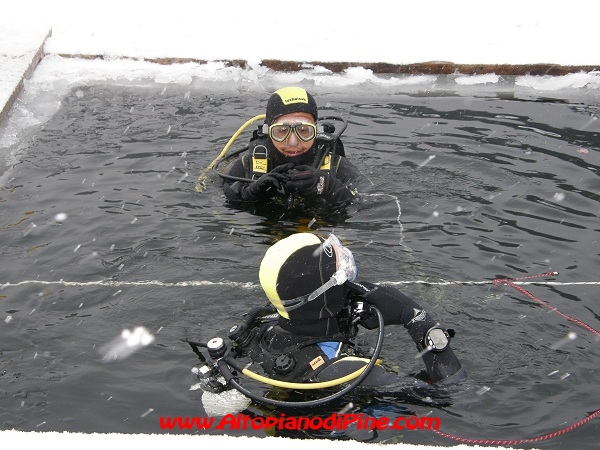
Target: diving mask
{"x":280,"y":132}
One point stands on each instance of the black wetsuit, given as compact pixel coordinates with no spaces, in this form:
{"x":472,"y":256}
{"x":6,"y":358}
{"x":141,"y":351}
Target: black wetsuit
{"x":300,"y":183}
{"x":301,"y":351}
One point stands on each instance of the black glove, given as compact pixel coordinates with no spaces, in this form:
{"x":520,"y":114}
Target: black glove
{"x":312,"y":183}
{"x":268,"y":185}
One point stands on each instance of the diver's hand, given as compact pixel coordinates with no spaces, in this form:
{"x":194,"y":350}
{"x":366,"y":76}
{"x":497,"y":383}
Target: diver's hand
{"x":269,"y":181}
{"x":268,"y":185}
{"x":307,"y":181}
{"x":314,"y":183}
{"x":283,"y":169}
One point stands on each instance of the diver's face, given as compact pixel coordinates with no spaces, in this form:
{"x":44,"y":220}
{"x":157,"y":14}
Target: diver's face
{"x":293,"y":146}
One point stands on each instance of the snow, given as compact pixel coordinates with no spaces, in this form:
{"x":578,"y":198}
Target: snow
{"x":119,"y":41}
{"x":460,"y":31}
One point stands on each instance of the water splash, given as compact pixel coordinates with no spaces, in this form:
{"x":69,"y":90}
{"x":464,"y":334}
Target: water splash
{"x":427,"y":161}
{"x":570,"y":337}
{"x":129,"y":342}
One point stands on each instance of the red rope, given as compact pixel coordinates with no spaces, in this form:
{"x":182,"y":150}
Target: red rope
{"x":543,"y":437}
{"x":511,"y":282}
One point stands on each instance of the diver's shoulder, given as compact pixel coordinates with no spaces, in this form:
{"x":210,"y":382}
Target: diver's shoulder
{"x":237,"y":167}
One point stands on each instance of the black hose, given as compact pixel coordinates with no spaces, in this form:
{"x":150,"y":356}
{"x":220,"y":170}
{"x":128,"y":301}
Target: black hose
{"x":240,"y":334}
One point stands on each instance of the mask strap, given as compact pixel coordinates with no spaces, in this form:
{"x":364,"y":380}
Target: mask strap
{"x":336,"y":279}
{"x":295,"y":302}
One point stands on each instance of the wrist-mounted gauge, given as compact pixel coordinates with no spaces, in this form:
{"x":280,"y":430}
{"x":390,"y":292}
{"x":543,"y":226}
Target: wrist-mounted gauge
{"x":435,"y":340}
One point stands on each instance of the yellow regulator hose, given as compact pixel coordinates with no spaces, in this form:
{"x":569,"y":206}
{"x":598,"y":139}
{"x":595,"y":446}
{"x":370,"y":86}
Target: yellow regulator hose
{"x":317,"y":385}
{"x":201,"y":183}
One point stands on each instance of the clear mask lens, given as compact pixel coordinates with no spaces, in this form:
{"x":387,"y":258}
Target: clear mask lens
{"x":305,"y":131}
{"x":346,"y":266}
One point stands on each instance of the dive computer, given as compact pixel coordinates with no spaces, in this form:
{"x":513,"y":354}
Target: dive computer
{"x":435,"y":340}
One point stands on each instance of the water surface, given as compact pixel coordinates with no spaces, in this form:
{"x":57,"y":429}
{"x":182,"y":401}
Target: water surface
{"x":101,"y":229}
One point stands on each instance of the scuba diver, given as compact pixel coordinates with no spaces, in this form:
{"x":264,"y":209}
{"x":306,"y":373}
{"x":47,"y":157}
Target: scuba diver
{"x":293,"y":161}
{"x":303,"y":338}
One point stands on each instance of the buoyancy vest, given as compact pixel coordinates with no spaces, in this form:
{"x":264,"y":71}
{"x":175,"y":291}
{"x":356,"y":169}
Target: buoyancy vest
{"x":300,"y":358}
{"x":257,"y":161}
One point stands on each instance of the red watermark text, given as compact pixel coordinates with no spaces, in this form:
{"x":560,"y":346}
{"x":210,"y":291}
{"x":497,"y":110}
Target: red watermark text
{"x":284,"y":422}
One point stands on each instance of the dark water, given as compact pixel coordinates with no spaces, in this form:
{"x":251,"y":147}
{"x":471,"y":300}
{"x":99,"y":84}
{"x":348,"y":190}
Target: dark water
{"x":463,"y":188}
